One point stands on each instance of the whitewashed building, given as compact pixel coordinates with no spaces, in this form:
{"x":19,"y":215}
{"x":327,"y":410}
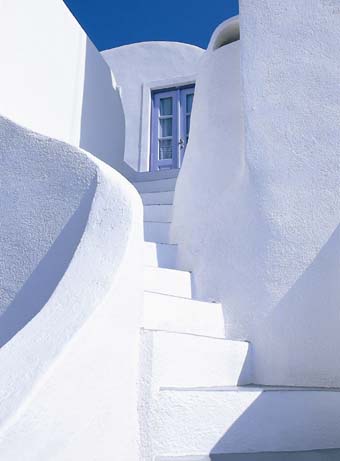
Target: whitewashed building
{"x":169,"y":244}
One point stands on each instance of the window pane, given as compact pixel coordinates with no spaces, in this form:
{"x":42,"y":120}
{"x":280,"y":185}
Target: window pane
{"x":188,"y":124}
{"x":190,"y":98}
{"x":165,"y":106}
{"x":166,"y":127}
{"x":165,"y":148}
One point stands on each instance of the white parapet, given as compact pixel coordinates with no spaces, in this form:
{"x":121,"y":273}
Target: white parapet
{"x":70,"y":320}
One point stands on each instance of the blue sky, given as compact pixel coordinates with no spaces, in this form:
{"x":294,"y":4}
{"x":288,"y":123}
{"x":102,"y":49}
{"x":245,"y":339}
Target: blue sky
{"x":111,"y":23}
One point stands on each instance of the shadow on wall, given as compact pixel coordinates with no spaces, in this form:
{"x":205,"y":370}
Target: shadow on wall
{"x":316,"y":455}
{"x":310,"y":340}
{"x":246,"y":376}
{"x":102,"y":121}
{"x":42,"y":282}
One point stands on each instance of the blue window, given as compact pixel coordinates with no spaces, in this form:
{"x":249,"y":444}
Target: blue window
{"x":170,"y":126}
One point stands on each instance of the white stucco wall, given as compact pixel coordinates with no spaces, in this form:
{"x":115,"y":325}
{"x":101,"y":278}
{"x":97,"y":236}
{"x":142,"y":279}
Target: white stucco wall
{"x":259,"y":225}
{"x":54,"y":81}
{"x":293,"y":148}
{"x":102,"y":120}
{"x":138,"y":68}
{"x":70,"y":246}
{"x":213,"y":168}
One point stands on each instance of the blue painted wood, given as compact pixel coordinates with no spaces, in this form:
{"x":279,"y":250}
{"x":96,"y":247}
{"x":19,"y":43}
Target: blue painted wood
{"x":185,"y":117}
{"x":169,"y":127}
{"x":164,"y":141}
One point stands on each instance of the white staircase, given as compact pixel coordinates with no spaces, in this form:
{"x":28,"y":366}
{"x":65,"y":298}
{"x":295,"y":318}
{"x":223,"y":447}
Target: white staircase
{"x":197,"y":402}
{"x":157,"y":196}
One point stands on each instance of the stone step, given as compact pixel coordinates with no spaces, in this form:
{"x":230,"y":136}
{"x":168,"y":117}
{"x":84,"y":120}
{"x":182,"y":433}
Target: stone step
{"x":182,"y":315}
{"x":310,"y":455}
{"x":143,"y":176}
{"x":160,"y":255}
{"x":220,"y":421}
{"x":183,"y":360}
{"x":158,"y":198}
{"x":158,"y":232}
{"x":167,"y":281}
{"x":160,"y":185}
{"x":158,"y":213}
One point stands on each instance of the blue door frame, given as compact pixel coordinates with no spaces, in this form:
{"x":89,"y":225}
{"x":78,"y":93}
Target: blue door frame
{"x":170,"y":125}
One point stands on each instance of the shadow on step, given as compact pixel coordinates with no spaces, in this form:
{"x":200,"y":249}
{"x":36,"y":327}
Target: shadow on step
{"x":317,"y":455}
{"x":273,"y":420}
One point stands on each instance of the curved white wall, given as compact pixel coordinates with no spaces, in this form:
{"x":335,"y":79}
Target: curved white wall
{"x":293,"y":148}
{"x":70,"y":245}
{"x":54,"y":81}
{"x":259,"y":224}
{"x":45,"y":203}
{"x":227,"y":32}
{"x":149,"y":64}
{"x":212,"y":173}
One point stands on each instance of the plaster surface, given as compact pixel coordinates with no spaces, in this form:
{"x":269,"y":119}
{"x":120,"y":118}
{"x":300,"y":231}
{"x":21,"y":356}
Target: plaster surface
{"x":240,"y":420}
{"x":315,"y":455}
{"x":256,"y":209}
{"x":292,"y":147}
{"x":177,"y":360}
{"x":102,"y":119}
{"x":55,"y":82}
{"x":42,"y":52}
{"x":256,"y":215}
{"x":71,"y":249}
{"x":170,"y":313}
{"x":214,"y":166}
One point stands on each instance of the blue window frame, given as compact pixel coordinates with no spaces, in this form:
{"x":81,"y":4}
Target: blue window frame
{"x":170,"y":126}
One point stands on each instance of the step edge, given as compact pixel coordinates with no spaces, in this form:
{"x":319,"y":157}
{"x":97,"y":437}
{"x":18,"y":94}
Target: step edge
{"x":248,"y":388}
{"x":189,"y":299}
{"x":207,"y":457}
{"x":166,"y":244}
{"x":154,"y":191}
{"x":157,"y":204}
{"x":167,"y":269}
{"x":184,"y":333}
{"x":175,"y":332}
{"x":157,"y":222}
{"x":160,"y":222}
{"x":154,"y":180}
